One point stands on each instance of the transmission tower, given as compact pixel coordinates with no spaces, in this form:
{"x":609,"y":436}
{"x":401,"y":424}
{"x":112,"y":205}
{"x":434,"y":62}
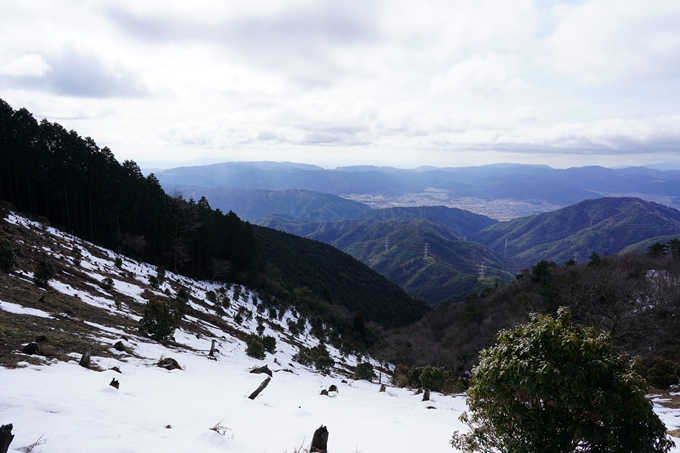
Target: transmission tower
{"x":426,"y":250}
{"x":482,"y":269}
{"x":505,"y":251}
{"x":386,"y":243}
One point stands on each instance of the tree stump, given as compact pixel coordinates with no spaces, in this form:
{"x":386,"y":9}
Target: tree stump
{"x":30,"y":349}
{"x":426,"y":395}
{"x":262,"y":370}
{"x":85,"y":359}
{"x":114,"y":383}
{"x":169,"y":364}
{"x":258,"y":390}
{"x":212,"y":349}
{"x":382,"y":388}
{"x":6,"y":437}
{"x":320,"y":441}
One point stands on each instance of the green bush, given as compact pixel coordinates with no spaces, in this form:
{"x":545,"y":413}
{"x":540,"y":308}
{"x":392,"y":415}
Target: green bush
{"x":8,"y":258}
{"x":664,"y":373}
{"x":553,"y":386}
{"x":269,"y":344}
{"x":118,"y":262}
{"x":317,"y":356}
{"x":44,"y":272}
{"x":254,"y":347}
{"x":159,"y":320}
{"x":107,"y":283}
{"x":76,"y":255}
{"x":364,"y":371}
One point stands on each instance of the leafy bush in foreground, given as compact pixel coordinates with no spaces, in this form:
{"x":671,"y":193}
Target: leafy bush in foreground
{"x":553,"y":386}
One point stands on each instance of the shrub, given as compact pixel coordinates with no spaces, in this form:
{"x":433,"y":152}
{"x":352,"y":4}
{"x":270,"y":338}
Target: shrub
{"x":76,"y":255}
{"x":664,"y":373}
{"x":553,"y":386}
{"x":317,"y":356}
{"x":254,"y":347}
{"x":8,"y":258}
{"x":269,"y":344}
{"x":159,"y":320}
{"x":107,"y":283}
{"x":118,"y":262}
{"x":364,"y":371}
{"x":44,"y":272}
{"x":153,"y":282}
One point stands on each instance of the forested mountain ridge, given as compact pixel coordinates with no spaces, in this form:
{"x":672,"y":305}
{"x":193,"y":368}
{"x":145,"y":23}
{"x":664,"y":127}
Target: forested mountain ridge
{"x":340,"y":277}
{"x":421,"y":249}
{"x":68,"y":181}
{"x":605,"y":226}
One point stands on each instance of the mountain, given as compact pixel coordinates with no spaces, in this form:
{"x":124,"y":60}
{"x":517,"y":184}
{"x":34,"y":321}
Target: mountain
{"x":604,"y":226}
{"x":298,"y":205}
{"x":423,"y":250}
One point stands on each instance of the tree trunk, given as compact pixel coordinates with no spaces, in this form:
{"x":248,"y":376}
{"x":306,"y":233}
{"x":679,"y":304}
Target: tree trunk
{"x":262,"y":386}
{"x":5,"y":437}
{"x":320,"y":441}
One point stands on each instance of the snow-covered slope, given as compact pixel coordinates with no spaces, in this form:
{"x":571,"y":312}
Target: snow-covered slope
{"x":202,"y":407}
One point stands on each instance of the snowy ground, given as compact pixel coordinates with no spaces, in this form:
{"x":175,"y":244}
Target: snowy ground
{"x":67,"y":408}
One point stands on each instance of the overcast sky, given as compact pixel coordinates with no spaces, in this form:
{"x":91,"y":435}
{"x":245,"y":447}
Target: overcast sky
{"x":384,"y":82}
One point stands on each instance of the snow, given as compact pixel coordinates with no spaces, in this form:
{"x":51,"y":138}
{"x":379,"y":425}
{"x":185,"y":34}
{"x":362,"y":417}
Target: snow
{"x":18,"y":309}
{"x":73,"y":409}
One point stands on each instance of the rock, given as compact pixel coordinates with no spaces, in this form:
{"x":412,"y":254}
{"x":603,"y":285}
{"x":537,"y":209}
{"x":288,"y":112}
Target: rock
{"x":324,"y":392}
{"x":418,"y":392}
{"x":119,"y":346}
{"x":262,"y":370}
{"x":114,"y":383}
{"x":431,"y":407}
{"x":41,"y":339}
{"x":382,"y":388}
{"x":343,"y":382}
{"x":320,"y":441}
{"x":30,"y":348}
{"x":333,"y":388}
{"x":116,"y":369}
{"x":169,"y":363}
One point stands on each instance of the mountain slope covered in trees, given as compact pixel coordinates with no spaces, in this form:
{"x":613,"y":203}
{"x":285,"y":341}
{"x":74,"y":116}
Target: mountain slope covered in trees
{"x":421,"y":249}
{"x":604,"y":226}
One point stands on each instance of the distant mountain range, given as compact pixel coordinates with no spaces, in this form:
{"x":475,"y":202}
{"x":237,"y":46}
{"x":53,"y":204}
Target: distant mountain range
{"x":534,"y":184}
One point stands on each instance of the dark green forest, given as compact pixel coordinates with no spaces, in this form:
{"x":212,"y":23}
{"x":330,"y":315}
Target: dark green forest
{"x":53,"y":173}
{"x":343,"y":279}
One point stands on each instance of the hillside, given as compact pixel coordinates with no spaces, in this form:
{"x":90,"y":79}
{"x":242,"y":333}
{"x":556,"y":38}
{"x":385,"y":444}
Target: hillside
{"x":604,"y":226}
{"x":305,"y":262}
{"x":393,"y":242}
{"x":57,"y":406}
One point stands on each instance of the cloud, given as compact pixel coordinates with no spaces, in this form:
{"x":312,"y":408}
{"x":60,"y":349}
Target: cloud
{"x":602,"y":41}
{"x":72,"y":74}
{"x":24,"y":66}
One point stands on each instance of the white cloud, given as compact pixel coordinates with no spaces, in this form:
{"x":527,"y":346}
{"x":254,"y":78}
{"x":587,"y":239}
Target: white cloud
{"x":350,"y":80}
{"x":602,"y":41}
{"x":24,"y":65}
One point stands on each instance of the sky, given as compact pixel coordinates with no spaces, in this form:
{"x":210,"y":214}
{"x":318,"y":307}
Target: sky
{"x":345,"y":82}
